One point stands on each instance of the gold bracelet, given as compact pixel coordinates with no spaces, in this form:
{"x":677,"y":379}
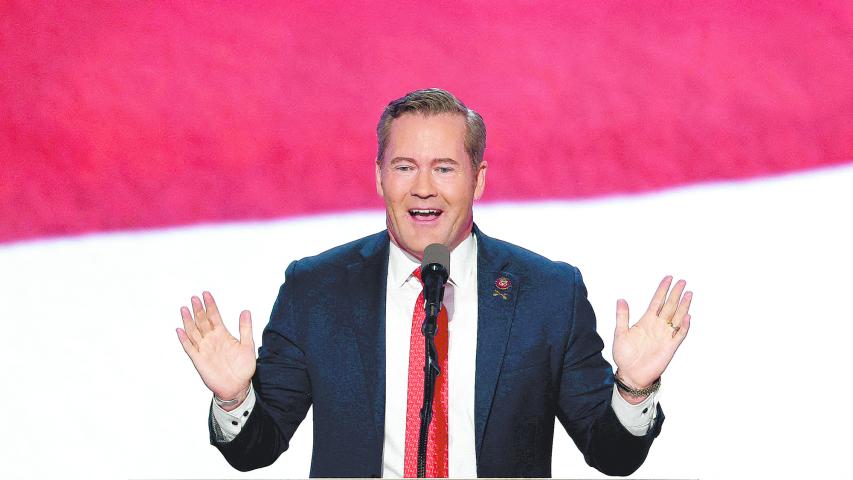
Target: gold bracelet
{"x":637,"y":392}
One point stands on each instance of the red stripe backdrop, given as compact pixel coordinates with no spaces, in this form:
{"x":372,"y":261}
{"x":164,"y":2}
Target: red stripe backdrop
{"x":138,"y":114}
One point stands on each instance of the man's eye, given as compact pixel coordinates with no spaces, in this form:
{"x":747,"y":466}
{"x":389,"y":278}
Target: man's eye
{"x":444,"y":169}
{"x":403,"y":168}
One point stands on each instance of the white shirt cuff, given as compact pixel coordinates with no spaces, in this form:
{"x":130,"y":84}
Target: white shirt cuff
{"x":637,"y":419}
{"x":226,"y":425}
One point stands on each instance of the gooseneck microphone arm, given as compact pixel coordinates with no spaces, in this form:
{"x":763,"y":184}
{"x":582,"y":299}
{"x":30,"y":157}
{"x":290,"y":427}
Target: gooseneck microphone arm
{"x":434,"y":274}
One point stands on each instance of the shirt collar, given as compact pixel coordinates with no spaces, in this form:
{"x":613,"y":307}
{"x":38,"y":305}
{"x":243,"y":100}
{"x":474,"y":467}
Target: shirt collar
{"x":401,"y":264}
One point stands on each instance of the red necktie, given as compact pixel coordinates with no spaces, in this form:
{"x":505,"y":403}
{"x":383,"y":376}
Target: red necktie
{"x":436,"y":463}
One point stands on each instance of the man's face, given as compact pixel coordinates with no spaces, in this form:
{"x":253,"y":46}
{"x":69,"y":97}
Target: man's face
{"x":427,"y":181}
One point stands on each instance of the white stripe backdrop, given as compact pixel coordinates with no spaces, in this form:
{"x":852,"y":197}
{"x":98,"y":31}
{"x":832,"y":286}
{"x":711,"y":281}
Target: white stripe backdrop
{"x":95,"y":384}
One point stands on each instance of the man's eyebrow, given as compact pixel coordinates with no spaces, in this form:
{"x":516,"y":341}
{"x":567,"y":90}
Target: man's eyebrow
{"x":434,"y":160}
{"x":401,"y":159}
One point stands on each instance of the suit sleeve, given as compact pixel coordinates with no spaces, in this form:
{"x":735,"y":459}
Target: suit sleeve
{"x":584,"y":402}
{"x":282,"y":387}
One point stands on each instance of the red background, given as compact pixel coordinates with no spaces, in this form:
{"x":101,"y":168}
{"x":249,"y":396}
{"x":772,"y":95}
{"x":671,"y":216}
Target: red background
{"x":124,"y":115}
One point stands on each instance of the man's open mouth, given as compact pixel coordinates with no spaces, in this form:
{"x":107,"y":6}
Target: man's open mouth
{"x":424,"y":214}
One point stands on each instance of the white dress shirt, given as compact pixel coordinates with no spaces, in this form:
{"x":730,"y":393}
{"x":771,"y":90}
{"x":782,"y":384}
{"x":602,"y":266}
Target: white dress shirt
{"x":460,"y":299}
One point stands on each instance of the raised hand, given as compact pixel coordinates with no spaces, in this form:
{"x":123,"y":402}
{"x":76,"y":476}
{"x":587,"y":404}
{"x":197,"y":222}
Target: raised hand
{"x":643,"y":351}
{"x":225,"y":364}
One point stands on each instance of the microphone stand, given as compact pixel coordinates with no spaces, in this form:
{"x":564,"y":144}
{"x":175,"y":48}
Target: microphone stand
{"x":431,"y":371}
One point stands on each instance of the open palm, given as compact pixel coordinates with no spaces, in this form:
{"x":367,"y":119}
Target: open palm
{"x":225,"y":364}
{"x":643,"y":351}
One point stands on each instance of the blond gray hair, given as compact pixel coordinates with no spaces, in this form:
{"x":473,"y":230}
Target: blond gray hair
{"x":434,"y":101}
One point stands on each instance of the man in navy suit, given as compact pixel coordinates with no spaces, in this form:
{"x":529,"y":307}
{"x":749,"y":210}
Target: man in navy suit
{"x":523,"y":345}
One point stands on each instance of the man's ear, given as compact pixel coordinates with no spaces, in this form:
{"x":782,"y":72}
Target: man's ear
{"x":379,"y":178}
{"x":481,"y":180}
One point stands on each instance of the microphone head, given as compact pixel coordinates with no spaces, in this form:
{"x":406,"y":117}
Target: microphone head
{"x":436,"y":254}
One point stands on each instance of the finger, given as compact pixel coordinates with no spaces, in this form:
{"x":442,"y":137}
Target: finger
{"x":681,"y":333}
{"x":683,"y":308}
{"x":622,"y":315}
{"x":672,"y":301}
{"x":189,"y":348}
{"x":189,"y":325}
{"x":660,"y":295}
{"x":200,"y":316}
{"x":212,"y":310}
{"x":246,"y":327}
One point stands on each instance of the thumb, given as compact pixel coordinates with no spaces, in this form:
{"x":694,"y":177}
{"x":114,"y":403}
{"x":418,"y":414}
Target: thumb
{"x":246,"y":328}
{"x":621,"y":317}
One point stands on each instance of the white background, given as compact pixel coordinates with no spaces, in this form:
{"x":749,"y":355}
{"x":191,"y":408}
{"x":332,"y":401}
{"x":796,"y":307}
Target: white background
{"x":96,"y":385}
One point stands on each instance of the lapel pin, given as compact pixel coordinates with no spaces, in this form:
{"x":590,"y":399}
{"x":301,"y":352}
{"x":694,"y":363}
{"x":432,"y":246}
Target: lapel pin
{"x":502,"y":285}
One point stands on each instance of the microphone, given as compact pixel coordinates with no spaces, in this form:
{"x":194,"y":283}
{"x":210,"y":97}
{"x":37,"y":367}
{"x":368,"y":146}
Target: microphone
{"x":435,"y":270}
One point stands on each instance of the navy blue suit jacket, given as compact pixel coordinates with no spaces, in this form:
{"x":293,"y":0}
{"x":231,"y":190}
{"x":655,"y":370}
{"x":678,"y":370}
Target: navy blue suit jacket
{"x":538,"y":358}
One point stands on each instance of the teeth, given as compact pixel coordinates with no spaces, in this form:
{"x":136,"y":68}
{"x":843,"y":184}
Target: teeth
{"x":416,"y":211}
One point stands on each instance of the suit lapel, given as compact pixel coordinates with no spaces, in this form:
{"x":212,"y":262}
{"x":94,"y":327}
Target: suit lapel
{"x":365,"y":313}
{"x":495,"y":312}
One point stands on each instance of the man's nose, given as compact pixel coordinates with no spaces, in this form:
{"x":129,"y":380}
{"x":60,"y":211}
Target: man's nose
{"x":423,"y":186}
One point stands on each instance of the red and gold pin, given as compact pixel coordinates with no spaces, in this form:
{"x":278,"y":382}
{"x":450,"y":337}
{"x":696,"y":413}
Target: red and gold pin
{"x":502,"y":284}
